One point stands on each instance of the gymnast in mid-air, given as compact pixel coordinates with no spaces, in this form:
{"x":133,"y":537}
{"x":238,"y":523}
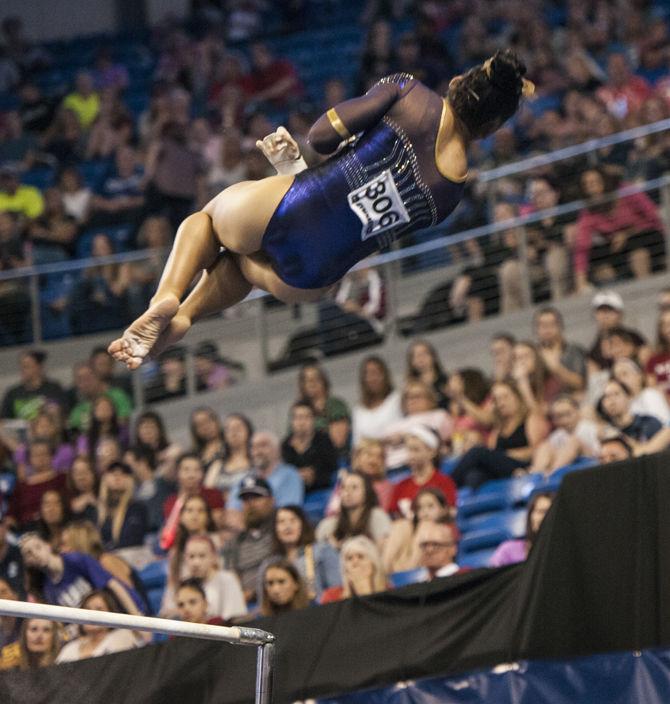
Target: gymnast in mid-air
{"x":398,"y":164}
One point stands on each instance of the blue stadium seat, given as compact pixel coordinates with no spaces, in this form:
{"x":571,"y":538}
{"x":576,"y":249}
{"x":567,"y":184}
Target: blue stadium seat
{"x":402,"y":579}
{"x":40,"y":177}
{"x":499,"y":494}
{"x":155,"y":597}
{"x":477,"y":559}
{"x":514,"y":522}
{"x":482,"y":539}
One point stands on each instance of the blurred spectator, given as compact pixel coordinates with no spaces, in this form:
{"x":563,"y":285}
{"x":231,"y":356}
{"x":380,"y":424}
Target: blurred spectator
{"x":377,"y":56}
{"x":10,"y":626}
{"x":17,"y":147}
{"x":284,"y":479}
{"x":170,"y":381}
{"x":564,"y":360}
{"x":237,"y":432}
{"x":646,"y":401}
{"x":369,"y":459}
{"x":438,"y":546}
{"x":94,"y":641}
{"x":76,"y":195}
{"x":423,"y":364}
{"x":517,"y":432}
{"x":25,"y":502}
{"x":644,"y":433}
{"x":538,"y":386}
{"x":150,"y":434}
{"x":63,"y":140}
{"x":173,"y":174}
{"x":38,"y":645}
{"x":194,"y":518}
{"x":109,"y":450}
{"x":222,"y":587}
{"x":658,"y":366}
{"x":192,"y":604}
{"x":573,"y":437}
{"x":308,"y":449}
{"x":54,"y":233}
{"x":230,"y":168}
{"x":88,"y":387}
{"x":362,"y":293}
{"x":84,"y":101}
{"x":615,"y":238}
{"x":190,"y":476}
{"x":379,"y":404}
{"x":512,"y":551}
{"x":112,"y":130}
{"x":211,"y":371}
{"x":108,"y":74}
{"x":35,"y":109}
{"x":409,"y":58}
{"x":422,"y":450}
{"x":272,"y":80}
{"x":623,"y":92}
{"x":362,"y":571}
{"x":104,"y":423}
{"x":65,"y":578}
{"x":419,"y":404}
{"x":47,"y":425}
{"x":122,"y":521}
{"x":154,"y":235}
{"x":470,"y":409}
{"x":208,"y":438}
{"x":245,"y":552}
{"x":359,"y":513}
{"x":121,"y":197}
{"x":14,"y":298}
{"x":20,"y":48}
{"x":9,"y":72}
{"x":19,"y":198}
{"x":82,"y":489}
{"x":502,"y":355}
{"x":615,"y":449}
{"x":101,"y":296}
{"x":318,"y":563}
{"x":314,"y":387}
{"x":103,"y":365}
{"x":152,"y":490}
{"x":27,"y":398}
{"x":283,"y":589}
{"x":54,"y":516}
{"x":401,"y":550}
{"x":11,"y":563}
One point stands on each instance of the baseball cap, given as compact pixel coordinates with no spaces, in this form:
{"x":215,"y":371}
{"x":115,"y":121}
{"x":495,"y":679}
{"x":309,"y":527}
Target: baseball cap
{"x":121,"y":466}
{"x":607,"y":299}
{"x":254,"y":486}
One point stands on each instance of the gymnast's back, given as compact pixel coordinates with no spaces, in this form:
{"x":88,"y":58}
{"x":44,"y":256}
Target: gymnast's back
{"x":383,"y":184}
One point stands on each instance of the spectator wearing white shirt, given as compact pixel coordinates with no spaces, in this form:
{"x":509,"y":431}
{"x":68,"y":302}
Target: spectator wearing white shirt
{"x":379,"y":405}
{"x":646,"y":401}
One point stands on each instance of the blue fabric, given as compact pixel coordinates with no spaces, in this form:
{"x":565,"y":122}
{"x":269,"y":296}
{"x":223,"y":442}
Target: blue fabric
{"x":314,"y":237}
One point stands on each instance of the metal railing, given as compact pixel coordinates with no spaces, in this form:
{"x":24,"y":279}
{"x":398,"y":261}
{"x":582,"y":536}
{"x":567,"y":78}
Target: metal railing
{"x":236,"y":635}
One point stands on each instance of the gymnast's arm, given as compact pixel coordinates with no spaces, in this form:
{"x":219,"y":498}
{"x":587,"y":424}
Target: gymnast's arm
{"x":352,"y":116}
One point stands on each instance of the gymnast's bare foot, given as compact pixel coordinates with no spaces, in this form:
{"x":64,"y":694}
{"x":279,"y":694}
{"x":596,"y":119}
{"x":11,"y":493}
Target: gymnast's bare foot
{"x":173,"y":333}
{"x":139,"y":339}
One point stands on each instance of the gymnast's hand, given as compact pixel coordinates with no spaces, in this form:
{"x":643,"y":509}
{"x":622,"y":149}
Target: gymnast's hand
{"x":282,"y":151}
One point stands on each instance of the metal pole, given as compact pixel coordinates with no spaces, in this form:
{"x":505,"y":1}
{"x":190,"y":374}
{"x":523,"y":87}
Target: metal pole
{"x":265,"y":674}
{"x":35,"y":318}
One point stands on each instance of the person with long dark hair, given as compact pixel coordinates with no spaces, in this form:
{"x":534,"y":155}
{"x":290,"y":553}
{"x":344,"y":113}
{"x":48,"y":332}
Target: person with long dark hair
{"x":149,"y":433}
{"x":237,"y":432}
{"x":423,"y":364}
{"x":363,"y":198}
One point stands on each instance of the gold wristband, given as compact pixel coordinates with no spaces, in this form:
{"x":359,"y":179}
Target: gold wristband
{"x":337,"y":124}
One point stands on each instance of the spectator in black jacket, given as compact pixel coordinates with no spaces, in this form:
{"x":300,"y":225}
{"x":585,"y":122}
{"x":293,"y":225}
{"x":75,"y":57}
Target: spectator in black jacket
{"x":308,"y":449}
{"x":122,"y":521}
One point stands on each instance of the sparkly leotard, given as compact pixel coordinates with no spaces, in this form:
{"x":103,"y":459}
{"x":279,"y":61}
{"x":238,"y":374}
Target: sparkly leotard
{"x":381,"y":187}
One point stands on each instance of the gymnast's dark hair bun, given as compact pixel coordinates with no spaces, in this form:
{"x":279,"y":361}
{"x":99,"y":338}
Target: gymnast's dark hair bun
{"x":489,"y":94}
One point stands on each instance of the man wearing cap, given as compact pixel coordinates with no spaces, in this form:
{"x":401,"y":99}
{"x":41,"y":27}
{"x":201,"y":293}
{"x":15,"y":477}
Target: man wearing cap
{"x":245,"y":552}
{"x":608,"y":313}
{"x":19,"y":198}
{"x":422,"y":445}
{"x":284,"y":480}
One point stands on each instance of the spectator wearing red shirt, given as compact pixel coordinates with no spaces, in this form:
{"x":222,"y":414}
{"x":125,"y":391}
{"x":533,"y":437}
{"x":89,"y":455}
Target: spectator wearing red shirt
{"x":658,"y":366}
{"x":273,"y":80}
{"x":615,"y":237}
{"x":422,"y":446}
{"x":25,"y":503}
{"x":624,"y":92}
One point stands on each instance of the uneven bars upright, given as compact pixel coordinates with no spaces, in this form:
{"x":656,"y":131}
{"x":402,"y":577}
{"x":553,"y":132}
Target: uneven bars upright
{"x":238,"y":635}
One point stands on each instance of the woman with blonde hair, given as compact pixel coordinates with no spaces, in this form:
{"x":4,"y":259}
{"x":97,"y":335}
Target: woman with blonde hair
{"x":122,"y":521}
{"x":38,"y":646}
{"x":362,"y":571}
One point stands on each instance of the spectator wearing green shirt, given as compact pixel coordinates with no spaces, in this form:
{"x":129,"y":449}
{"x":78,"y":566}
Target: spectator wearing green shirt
{"x":83,"y":101}
{"x":87,"y":387}
{"x":16,"y":197}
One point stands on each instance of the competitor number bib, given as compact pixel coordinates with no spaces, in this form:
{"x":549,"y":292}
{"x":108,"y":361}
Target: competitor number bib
{"x":378,"y":205}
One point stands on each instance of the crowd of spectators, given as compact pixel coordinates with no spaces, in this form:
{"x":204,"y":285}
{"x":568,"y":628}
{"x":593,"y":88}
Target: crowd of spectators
{"x":108,"y":150}
{"x":95,"y":494}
